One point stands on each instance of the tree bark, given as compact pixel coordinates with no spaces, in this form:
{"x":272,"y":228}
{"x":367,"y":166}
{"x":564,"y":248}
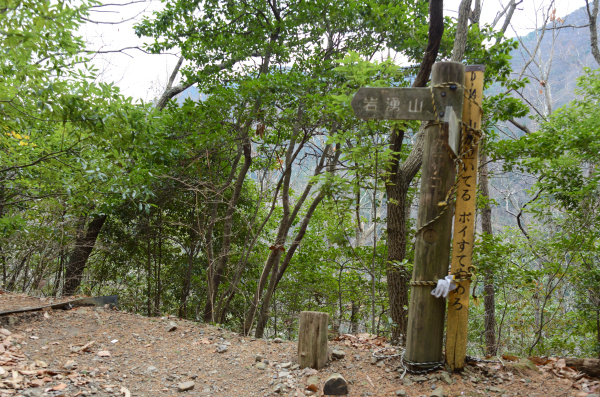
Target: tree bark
{"x":277,"y":273}
{"x":462,"y":31}
{"x":489,"y":299}
{"x":426,"y":314}
{"x":286,"y":221}
{"x":84,"y":244}
{"x":590,"y":366}
{"x":215,"y":274}
{"x":593,"y":17}
{"x":312,"y":340}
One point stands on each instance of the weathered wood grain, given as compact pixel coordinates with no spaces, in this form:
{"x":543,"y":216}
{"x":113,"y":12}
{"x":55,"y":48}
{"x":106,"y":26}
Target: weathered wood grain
{"x":312,"y":340}
{"x":426,"y":314}
{"x":406,"y":103}
{"x":464,"y":226}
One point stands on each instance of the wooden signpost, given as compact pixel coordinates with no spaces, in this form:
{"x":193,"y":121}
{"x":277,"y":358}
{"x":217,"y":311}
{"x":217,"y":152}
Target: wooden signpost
{"x":432,"y":247}
{"x":464,"y":222}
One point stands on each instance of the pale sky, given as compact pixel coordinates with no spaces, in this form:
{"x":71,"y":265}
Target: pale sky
{"x":144,"y":76}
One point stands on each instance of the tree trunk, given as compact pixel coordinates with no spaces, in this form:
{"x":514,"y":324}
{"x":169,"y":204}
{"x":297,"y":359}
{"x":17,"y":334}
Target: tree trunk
{"x":462,"y":31}
{"x":277,"y":272}
{"x":593,"y":16}
{"x":84,"y":244}
{"x":158,"y":266}
{"x":148,"y":271}
{"x":187,"y":282}
{"x":284,"y":227}
{"x":354,"y":310}
{"x":590,"y":366}
{"x":215,"y":273}
{"x":491,"y":349}
{"x":2,"y":254}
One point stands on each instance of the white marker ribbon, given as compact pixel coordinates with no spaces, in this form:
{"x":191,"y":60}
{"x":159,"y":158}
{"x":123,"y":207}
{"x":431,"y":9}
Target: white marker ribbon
{"x":444,"y":287}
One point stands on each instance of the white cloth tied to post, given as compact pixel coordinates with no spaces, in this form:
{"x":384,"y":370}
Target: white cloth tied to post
{"x":444,"y":287}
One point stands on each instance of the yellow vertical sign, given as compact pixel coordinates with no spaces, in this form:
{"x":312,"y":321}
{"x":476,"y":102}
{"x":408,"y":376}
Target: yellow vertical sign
{"x":464,"y":220}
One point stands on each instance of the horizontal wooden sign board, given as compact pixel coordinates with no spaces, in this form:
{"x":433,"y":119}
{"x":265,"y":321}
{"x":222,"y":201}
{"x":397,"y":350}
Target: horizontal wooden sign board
{"x":406,"y":103}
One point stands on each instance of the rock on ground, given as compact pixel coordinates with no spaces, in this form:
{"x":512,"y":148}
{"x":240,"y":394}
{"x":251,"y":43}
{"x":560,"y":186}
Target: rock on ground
{"x":185,"y":386}
{"x":335,"y":385}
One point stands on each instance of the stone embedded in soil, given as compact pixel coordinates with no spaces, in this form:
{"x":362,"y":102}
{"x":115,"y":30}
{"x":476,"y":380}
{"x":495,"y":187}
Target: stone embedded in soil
{"x":439,"y":392}
{"x":335,"y":385}
{"x":171,"y":327}
{"x":407,"y":382}
{"x":445,"y":376}
{"x":261,"y":366}
{"x":258,"y":358}
{"x":338,"y":354}
{"x":277,"y":340}
{"x":185,"y":386}
{"x":221,"y":349}
{"x":419,"y":379}
{"x":498,"y":390}
{"x":400,"y":392}
{"x":312,"y":383}
{"x":286,"y":365}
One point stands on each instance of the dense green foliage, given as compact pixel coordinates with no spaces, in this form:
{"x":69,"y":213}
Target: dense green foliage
{"x":267,"y":196}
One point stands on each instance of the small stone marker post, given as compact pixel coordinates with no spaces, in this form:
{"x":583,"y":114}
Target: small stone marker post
{"x":432,"y":249}
{"x":464,"y":223}
{"x":312,"y":340}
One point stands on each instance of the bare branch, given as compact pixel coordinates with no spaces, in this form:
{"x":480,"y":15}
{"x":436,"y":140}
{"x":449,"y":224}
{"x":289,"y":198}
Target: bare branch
{"x":113,"y":23}
{"x":567,"y":26}
{"x":119,"y":5}
{"x":511,"y":10}
{"x":520,"y":126}
{"x":504,"y":11}
{"x":593,"y":16}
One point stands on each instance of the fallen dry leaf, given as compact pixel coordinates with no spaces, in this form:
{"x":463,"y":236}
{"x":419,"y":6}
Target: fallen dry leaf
{"x":41,"y":364}
{"x":59,"y":387}
{"x":509,"y":357}
{"x":539,"y":360}
{"x":37,"y":382}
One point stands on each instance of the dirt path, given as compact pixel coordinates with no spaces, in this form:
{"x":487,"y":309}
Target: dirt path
{"x":101,"y":352}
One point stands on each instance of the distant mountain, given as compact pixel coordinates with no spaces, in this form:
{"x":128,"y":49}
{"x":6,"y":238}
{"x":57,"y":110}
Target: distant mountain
{"x":565,"y":51}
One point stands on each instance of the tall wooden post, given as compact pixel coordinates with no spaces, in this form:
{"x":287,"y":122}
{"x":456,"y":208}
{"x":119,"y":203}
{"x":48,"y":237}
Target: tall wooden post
{"x":426,"y":314}
{"x":464,"y":222}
